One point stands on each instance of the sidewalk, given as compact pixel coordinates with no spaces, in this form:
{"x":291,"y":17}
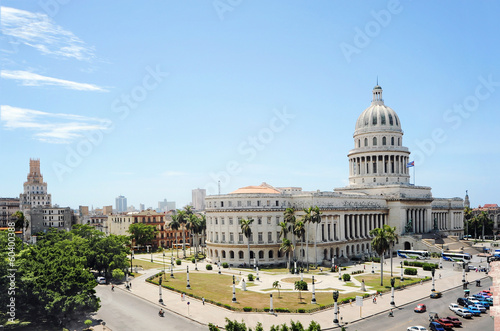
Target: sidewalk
{"x":208,"y":313}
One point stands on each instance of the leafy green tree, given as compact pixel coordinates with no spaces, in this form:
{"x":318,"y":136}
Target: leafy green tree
{"x":315,"y":219}
{"x":483,"y":219}
{"x":142,"y":233}
{"x":380,"y":244}
{"x":467,"y":216}
{"x":290,"y":219}
{"x":247,"y":232}
{"x":300,"y":285}
{"x":21,"y":222}
{"x":118,"y":274}
{"x":175,"y":225}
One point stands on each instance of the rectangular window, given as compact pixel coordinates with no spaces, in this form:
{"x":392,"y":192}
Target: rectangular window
{"x":231,"y":237}
{"x":222,"y":203}
{"x":268,"y":219}
{"x":278,"y":239}
{"x":216,"y":221}
{"x":249,"y":203}
{"x":258,"y":203}
{"x":268,"y":202}
{"x":251,"y":237}
{"x":269,"y":237}
{"x":239,"y":203}
{"x":277,"y":220}
{"x":222,"y":220}
{"x":239,"y":220}
{"x":217,"y":237}
{"x":240,"y":237}
{"x":259,"y":220}
{"x":230,"y":221}
{"x":230,"y":203}
{"x":223,"y":237}
{"x":260,"y":237}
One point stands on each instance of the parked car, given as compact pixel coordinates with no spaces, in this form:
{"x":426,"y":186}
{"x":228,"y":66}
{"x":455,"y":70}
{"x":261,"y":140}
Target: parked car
{"x":436,"y":294}
{"x":434,"y":326}
{"x":474,"y":311}
{"x":463,"y":312}
{"x":416,"y":328}
{"x":487,"y":292}
{"x":483,"y":297}
{"x":445,"y":323}
{"x":420,"y":308}
{"x":456,"y":322}
{"x":462,"y":301}
{"x":453,"y":307}
{"x":486,"y":304}
{"x":481,"y":308}
{"x":101,"y":280}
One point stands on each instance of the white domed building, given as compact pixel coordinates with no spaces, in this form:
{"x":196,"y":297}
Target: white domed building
{"x":379,"y":192}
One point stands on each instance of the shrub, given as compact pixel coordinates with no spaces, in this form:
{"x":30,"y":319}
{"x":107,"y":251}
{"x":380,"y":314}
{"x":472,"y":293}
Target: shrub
{"x":247,"y":309}
{"x":301,"y":310}
{"x":282,"y":310}
{"x":193,"y":260}
{"x":209,"y":267}
{"x":346,"y":277}
{"x":225,"y":265}
{"x":118,"y":274}
{"x":410,"y":271}
{"x":88,"y":323}
{"x":178,"y":262}
{"x":250,"y":277}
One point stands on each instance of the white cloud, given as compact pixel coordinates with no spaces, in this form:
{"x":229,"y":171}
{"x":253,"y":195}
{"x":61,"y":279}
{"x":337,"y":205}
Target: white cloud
{"x":31,"y":79}
{"x":51,"y":128}
{"x":42,"y":33}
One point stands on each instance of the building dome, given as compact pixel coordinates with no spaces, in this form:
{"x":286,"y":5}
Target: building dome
{"x":377,"y":117}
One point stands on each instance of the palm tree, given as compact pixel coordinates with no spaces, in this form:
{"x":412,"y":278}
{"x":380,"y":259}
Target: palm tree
{"x":193,"y":224}
{"x":482,"y":220}
{"x":300,"y":230}
{"x":284,"y":230}
{"x":467,"y":216}
{"x":306,"y":219}
{"x":289,"y":217}
{"x":316,"y":219}
{"x":247,"y":232}
{"x":474,"y":221}
{"x":287,"y":247}
{"x":277,"y":285}
{"x":392,"y":237}
{"x":380,"y":244}
{"x":175,"y":225}
{"x":203,"y":228}
{"x":182,"y":217}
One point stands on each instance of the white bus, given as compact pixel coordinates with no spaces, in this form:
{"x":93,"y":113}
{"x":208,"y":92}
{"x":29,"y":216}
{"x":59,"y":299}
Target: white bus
{"x":462,"y":257}
{"x":411,"y":254}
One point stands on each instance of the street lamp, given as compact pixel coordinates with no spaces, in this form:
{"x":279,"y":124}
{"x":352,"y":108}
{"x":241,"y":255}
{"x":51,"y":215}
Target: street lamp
{"x":163,"y":261}
{"x":433,"y":271}
{"x":392,"y":292}
{"x":187,"y":277}
{"x":340,"y":273}
{"x":234,"y":291}
{"x":401,"y":270}
{"x":335,"y":309}
{"x":172,"y":267}
{"x":131,"y":258}
{"x":271,"y":311}
{"x":313,"y":301}
{"x":159,"y":281}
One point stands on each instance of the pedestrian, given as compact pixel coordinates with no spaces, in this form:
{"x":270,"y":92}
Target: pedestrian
{"x":130,"y":285}
{"x":203,"y":300}
{"x":350,"y":302}
{"x":112,"y":287}
{"x":421,"y":283}
{"x":439,"y":276}
{"x":375,"y":300}
{"x":364,"y":266}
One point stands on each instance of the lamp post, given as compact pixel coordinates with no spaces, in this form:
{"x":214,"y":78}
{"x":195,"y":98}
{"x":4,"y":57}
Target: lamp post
{"x":195,"y":263}
{"x":131,"y":258}
{"x":463,"y":272}
{"x":219,"y":268}
{"x":433,"y":271}
{"x":160,"y":280}
{"x":271,"y":311}
{"x":392,"y":292}
{"x":401,"y":270}
{"x":234,"y":291}
{"x":172,"y":267}
{"x":257,"y":272}
{"x":441,"y":258}
{"x":340,"y":273}
{"x":164,"y":262}
{"x":373,"y":267}
{"x":335,"y":309}
{"x":313,"y":301}
{"x":187,"y":276}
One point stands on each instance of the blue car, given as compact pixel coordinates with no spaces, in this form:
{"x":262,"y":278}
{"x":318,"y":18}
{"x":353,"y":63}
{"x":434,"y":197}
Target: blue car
{"x":473,"y":310}
{"x":483,"y":298}
{"x":483,"y":303}
{"x":434,"y":326}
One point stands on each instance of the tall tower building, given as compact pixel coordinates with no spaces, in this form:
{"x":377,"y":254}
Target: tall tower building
{"x":121,"y":204}
{"x":198,"y":198}
{"x":378,"y":157}
{"x":35,"y":189}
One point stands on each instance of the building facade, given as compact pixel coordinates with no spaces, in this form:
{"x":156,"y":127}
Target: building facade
{"x":43,"y":218}
{"x":121,"y":204}
{"x":8,"y":206}
{"x":198,"y":198}
{"x":379,"y":193}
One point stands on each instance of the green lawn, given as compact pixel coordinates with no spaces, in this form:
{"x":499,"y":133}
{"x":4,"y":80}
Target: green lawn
{"x":373,"y":280}
{"x":218,"y":288}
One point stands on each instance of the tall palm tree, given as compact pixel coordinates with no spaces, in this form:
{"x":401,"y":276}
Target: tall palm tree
{"x":247,"y":232}
{"x":300,"y":231}
{"x":467,"y":216}
{"x":316,"y":219}
{"x":474,"y":221}
{"x":392,"y":237}
{"x":203,"y":228}
{"x":277,"y":285}
{"x":182,"y":217}
{"x":175,"y":225}
{"x":287,"y":247}
{"x":193,"y":224}
{"x":289,"y":217}
{"x":283,"y":230}
{"x":483,"y":218}
{"x":306,"y":219}
{"x":380,"y":244}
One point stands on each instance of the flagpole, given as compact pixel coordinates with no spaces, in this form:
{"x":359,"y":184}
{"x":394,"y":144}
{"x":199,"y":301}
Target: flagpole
{"x":414,"y":175}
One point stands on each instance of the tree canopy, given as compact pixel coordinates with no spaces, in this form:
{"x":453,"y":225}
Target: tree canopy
{"x":141,"y":233}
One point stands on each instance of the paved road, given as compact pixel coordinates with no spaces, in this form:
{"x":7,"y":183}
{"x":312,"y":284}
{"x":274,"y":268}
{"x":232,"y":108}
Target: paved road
{"x":405,"y":317}
{"x":123,"y":311}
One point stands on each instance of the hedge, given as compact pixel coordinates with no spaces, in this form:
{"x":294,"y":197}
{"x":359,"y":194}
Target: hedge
{"x":410,"y":271}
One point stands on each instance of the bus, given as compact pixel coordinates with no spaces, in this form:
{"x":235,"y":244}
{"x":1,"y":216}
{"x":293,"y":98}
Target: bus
{"x":411,"y":254}
{"x":457,"y":257}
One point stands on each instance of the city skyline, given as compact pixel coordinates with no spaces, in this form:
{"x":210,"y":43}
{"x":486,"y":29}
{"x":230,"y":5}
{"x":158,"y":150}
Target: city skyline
{"x":153,"y":101}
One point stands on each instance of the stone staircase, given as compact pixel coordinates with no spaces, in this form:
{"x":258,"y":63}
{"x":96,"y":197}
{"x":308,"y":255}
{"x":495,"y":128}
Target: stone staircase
{"x":450,"y":243}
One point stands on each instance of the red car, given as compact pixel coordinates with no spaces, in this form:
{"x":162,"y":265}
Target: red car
{"x":488,"y":293}
{"x":420,"y":308}
{"x":456,"y":322}
{"x":445,"y":323}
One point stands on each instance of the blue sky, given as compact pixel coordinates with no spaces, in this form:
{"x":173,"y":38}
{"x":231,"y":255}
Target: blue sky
{"x":152,"y":99}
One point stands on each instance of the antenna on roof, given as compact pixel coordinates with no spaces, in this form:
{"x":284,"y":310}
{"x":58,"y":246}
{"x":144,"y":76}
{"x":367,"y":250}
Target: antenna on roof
{"x":377,"y":79}
{"x":219,"y":186}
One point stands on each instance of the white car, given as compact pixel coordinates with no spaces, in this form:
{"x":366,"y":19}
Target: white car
{"x":464,"y":313}
{"x":480,"y":307}
{"x":101,"y":280}
{"x":453,"y":307}
{"x":416,"y":328}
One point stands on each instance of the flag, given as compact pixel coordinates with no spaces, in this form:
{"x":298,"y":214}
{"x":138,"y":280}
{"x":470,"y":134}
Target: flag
{"x":410,"y":164}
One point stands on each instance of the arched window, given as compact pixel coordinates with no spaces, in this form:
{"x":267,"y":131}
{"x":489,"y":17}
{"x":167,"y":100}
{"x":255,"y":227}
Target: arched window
{"x":216,"y":253}
{"x":359,"y":143}
{"x":252,"y":255}
{"x":366,"y":142}
{"x":261,"y":254}
{"x":240,"y":255}
{"x":231,"y":254}
{"x":271,"y":255}
{"x":223,"y":254}
{"x":392,"y":141}
{"x":374,"y":141}
{"x":347,"y":250}
{"x":384,"y":141}
{"x":399,"y":141}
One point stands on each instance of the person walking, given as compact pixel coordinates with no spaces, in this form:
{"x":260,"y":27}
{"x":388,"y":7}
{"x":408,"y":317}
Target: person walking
{"x":203,"y":300}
